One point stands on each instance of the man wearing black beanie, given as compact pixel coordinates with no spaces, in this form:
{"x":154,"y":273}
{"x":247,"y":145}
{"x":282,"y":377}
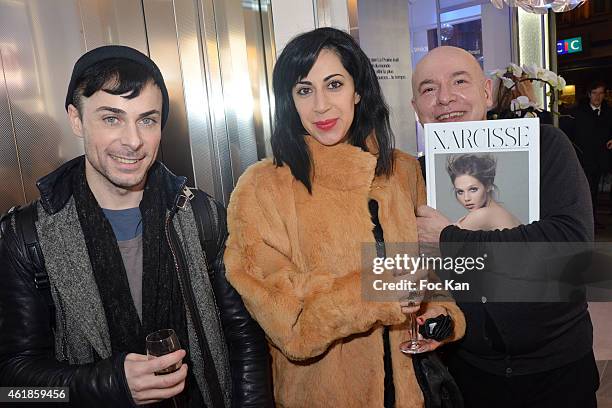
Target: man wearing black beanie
{"x":117,"y":248}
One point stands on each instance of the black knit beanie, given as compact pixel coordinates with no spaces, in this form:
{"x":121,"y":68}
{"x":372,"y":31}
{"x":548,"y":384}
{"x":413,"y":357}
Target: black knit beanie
{"x":106,"y":52}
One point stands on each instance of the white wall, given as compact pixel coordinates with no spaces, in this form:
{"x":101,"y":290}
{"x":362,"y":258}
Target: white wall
{"x":384,"y":32}
{"x":335,"y":14}
{"x":496,"y":38}
{"x":292,"y":17}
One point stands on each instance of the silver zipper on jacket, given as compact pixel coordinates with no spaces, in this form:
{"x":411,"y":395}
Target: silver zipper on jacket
{"x":167,"y":231}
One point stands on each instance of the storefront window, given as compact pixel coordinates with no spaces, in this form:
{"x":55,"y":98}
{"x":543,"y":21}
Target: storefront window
{"x":414,"y":27}
{"x":480,"y":29}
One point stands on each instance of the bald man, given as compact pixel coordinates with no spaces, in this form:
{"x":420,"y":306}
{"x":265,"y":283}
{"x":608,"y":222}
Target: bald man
{"x":514,"y":354}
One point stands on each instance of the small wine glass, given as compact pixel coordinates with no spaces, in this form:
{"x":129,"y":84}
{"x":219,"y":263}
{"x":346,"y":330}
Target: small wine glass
{"x":413,"y":345}
{"x":162,"y":342}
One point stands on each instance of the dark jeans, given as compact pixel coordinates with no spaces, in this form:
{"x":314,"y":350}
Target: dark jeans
{"x":571,"y":386}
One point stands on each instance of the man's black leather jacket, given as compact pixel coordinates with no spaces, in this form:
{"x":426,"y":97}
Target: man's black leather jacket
{"x":27,"y":356}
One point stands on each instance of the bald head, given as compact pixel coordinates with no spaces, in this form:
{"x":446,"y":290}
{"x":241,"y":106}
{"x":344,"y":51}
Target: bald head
{"x":456,"y":57}
{"x":448,"y":85}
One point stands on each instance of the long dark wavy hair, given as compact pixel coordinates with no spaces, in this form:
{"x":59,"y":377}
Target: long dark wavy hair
{"x":371,"y":113}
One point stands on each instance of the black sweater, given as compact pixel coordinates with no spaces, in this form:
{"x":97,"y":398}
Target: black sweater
{"x":524,"y":338}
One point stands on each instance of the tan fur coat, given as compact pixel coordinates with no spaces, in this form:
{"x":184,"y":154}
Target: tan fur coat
{"x":295,"y":259}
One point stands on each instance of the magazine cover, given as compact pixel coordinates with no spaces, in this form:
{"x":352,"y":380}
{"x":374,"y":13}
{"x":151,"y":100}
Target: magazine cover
{"x":491,"y":164}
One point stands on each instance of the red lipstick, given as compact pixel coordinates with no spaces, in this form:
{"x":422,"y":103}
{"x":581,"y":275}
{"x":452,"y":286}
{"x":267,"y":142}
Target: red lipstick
{"x":326,"y":124}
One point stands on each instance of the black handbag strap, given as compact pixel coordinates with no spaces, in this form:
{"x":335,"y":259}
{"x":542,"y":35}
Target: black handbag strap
{"x":208,"y":229}
{"x":25,"y":228}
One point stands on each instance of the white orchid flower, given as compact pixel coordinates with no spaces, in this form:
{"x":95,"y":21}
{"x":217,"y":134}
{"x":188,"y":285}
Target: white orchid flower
{"x":508,"y":83}
{"x":550,"y":77}
{"x":561,"y":82}
{"x":531,"y":70}
{"x":498,"y":73}
{"x":540,"y":72}
{"x":515,"y":69}
{"x":521,"y":103}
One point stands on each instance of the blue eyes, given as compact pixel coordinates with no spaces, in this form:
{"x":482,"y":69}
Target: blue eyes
{"x":148,"y":122}
{"x":114,"y":121}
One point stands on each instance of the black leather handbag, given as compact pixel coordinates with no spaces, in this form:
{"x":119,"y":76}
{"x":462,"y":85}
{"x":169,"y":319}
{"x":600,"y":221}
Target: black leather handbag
{"x":437,"y":384}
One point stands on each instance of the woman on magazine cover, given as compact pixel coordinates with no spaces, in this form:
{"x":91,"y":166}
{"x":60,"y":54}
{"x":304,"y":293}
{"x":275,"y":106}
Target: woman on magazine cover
{"x":297,"y":224}
{"x":473,"y":179}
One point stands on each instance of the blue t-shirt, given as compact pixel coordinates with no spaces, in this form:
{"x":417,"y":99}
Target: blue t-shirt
{"x":127,"y":224}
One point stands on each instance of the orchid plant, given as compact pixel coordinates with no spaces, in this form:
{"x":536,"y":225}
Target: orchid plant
{"x":513,"y":75}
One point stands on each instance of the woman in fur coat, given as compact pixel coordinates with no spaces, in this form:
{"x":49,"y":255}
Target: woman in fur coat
{"x":297,"y":224}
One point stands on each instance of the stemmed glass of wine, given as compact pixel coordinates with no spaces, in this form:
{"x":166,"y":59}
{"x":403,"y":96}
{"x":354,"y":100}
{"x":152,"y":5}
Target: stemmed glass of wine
{"x":414,"y":345}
